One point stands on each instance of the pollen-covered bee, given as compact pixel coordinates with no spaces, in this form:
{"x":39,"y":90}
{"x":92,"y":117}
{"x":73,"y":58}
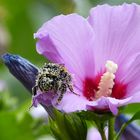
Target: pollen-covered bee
{"x":53,"y":78}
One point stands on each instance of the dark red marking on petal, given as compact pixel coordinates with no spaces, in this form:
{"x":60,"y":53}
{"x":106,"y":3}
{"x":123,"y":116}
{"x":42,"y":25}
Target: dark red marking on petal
{"x":119,"y":90}
{"x":90,"y":86}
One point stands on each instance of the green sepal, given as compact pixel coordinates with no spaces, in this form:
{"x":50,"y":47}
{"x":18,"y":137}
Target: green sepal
{"x":68,"y":127}
{"x":92,"y":116}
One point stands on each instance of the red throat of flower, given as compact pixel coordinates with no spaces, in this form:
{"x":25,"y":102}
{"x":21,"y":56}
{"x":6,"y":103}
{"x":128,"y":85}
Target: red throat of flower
{"x":104,"y":84}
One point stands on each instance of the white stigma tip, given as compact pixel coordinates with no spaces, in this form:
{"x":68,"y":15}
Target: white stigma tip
{"x":111,"y":66}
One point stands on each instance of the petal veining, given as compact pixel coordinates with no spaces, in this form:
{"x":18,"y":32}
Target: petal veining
{"x":68,"y":40}
{"x":117,"y":31}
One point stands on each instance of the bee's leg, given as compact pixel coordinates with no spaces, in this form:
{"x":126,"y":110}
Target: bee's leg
{"x":62,"y":89}
{"x":34,"y":90}
{"x":60,"y":98}
{"x":71,"y":89}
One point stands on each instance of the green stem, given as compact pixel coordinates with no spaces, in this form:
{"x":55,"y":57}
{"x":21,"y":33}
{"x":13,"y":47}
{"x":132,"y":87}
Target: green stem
{"x":101,"y":130}
{"x":102,"y":133}
{"x":111,"y":132}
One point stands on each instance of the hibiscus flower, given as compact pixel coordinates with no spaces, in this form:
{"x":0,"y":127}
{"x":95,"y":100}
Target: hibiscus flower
{"x":102,"y":52}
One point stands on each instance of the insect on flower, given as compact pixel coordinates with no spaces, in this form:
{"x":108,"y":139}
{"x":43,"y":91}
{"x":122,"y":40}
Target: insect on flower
{"x":103,"y":53}
{"x":53,"y":78}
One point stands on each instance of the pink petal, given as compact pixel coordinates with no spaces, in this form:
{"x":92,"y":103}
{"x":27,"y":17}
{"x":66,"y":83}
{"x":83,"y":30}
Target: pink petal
{"x":117,"y":31}
{"x":132,"y":76}
{"x":71,"y":103}
{"x":68,"y":40}
{"x":74,"y":103}
{"x":42,"y":98}
{"x":108,"y":102}
{"x":135,"y":98}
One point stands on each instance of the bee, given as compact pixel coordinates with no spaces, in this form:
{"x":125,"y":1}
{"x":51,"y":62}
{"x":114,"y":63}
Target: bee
{"x":53,"y":78}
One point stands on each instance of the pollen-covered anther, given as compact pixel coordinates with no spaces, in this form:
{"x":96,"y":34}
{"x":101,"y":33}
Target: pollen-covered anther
{"x":107,"y":80}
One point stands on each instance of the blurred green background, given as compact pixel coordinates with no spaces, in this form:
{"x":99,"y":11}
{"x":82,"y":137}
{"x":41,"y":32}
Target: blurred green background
{"x":19,"y":19}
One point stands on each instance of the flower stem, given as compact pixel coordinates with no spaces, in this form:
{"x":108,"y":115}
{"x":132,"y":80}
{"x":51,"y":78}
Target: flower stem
{"x":101,"y":130}
{"x":103,"y":135}
{"x":111,"y":132}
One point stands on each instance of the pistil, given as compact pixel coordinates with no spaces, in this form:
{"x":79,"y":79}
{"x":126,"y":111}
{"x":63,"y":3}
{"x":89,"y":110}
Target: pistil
{"x":107,"y":80}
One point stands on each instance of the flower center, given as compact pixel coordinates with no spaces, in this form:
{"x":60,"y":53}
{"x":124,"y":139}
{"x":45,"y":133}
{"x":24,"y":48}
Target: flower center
{"x":104,"y":84}
{"x":107,"y":80}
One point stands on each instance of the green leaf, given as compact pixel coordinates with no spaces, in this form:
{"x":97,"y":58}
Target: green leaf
{"x":58,"y":125}
{"x":75,"y":125}
{"x":131,"y":108}
{"x":56,"y":132}
{"x":68,"y":127}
